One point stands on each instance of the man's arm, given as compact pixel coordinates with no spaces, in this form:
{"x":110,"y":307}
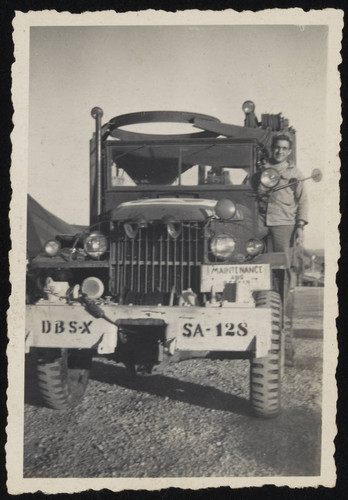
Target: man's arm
{"x":302,"y":202}
{"x":302,"y":209}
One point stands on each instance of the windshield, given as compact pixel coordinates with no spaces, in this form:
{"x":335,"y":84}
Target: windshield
{"x":170,"y":164}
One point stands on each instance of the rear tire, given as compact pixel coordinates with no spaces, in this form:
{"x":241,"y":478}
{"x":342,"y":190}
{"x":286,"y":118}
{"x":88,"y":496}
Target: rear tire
{"x":62,"y":376}
{"x":266,"y":372}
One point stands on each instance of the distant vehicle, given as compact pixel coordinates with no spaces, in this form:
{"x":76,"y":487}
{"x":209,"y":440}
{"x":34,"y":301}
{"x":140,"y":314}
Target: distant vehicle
{"x":314,"y":278}
{"x":313,"y":275}
{"x":174,"y":258}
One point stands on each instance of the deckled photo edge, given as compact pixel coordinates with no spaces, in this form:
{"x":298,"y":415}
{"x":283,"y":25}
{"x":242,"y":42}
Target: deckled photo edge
{"x":14,"y":448}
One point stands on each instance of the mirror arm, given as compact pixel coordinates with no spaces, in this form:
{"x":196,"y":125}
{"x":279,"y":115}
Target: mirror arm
{"x":278,"y":188}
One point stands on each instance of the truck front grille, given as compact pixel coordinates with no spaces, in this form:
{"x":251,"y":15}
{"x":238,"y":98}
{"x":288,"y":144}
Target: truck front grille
{"x":155,"y":262}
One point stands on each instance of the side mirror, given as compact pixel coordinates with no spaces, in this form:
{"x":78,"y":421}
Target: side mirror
{"x":317,"y":175}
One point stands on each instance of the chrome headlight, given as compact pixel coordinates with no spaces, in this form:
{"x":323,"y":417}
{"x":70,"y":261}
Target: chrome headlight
{"x":51,"y":248}
{"x":270,"y":177}
{"x":254,"y":247}
{"x":222,"y":246}
{"x":95,"y":245}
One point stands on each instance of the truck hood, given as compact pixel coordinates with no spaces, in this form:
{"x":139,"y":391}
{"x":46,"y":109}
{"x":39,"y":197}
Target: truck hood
{"x":181,"y":209}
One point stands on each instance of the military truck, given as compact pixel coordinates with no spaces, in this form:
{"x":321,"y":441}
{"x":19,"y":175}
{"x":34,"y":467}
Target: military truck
{"x":174,"y":259}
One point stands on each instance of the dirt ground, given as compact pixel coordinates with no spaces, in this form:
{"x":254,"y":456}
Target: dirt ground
{"x":190,"y":419}
{"x":308,"y":312}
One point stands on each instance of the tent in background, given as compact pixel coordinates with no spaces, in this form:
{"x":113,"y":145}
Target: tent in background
{"x":42,"y":225}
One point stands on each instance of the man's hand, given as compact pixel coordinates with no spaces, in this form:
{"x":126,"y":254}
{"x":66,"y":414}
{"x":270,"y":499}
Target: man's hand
{"x":300,"y":235}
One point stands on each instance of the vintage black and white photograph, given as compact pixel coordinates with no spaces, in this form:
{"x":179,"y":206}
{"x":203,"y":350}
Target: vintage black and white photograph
{"x":176,"y":195}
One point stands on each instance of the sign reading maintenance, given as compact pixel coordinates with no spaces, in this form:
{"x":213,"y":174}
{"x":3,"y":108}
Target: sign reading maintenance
{"x":257,"y":276}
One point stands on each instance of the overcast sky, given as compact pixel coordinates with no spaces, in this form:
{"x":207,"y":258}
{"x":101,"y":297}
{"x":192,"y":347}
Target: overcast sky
{"x":204,"y":69}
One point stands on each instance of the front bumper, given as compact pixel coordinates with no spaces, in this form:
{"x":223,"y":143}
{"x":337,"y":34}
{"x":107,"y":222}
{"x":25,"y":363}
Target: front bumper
{"x":188,"y":328}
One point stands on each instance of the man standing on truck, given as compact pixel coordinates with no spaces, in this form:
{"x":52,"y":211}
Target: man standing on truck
{"x":285,"y":210}
{"x":285,"y":214}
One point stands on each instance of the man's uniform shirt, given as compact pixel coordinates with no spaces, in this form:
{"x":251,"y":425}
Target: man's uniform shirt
{"x":288,"y":205}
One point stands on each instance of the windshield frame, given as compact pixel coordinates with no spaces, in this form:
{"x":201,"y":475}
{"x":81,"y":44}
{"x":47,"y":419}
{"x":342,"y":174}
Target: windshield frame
{"x":133,"y":146}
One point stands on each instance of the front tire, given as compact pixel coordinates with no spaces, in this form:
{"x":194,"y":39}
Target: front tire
{"x":62,"y":376}
{"x":266,"y":372}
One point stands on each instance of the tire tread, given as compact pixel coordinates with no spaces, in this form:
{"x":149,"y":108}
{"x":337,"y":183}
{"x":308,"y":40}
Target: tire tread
{"x":265,"y":373}
{"x":56,"y":380}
